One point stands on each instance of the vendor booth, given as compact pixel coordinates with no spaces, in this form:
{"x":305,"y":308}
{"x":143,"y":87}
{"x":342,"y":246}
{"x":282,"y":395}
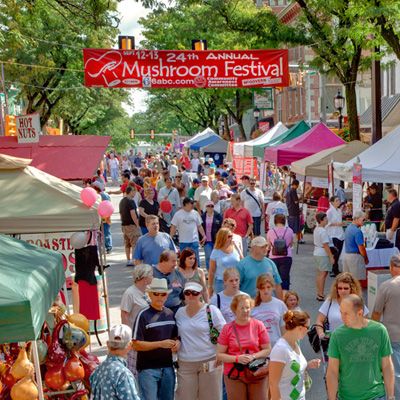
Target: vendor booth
{"x":380,"y":162}
{"x":318,"y":138}
{"x":316,"y":165}
{"x":247,"y":149}
{"x":42,"y":351}
{"x":44,"y":210}
{"x":81,"y":155}
{"x":199,"y":136}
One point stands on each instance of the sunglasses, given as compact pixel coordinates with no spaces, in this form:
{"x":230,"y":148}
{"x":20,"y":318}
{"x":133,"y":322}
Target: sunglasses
{"x":158,"y":294}
{"x":210,"y":206}
{"x":191,"y":293}
{"x":343,"y":288}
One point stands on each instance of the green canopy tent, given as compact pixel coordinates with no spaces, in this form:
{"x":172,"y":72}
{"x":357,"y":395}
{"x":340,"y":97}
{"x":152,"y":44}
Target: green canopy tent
{"x":30,"y":279}
{"x":294,"y":132}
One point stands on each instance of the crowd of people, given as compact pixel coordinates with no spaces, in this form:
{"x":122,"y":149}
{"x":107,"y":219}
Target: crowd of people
{"x":231,"y":328}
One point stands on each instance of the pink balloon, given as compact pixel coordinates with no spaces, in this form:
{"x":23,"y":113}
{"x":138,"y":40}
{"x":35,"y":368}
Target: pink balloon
{"x":88,"y":196}
{"x":105,"y":209}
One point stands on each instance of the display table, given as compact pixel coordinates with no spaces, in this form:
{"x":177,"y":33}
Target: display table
{"x":378,"y":258}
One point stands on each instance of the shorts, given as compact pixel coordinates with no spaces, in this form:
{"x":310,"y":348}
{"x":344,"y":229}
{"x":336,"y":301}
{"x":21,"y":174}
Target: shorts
{"x":131,"y":234}
{"x":323,"y":263}
{"x":294,"y":223}
{"x":355,"y":264}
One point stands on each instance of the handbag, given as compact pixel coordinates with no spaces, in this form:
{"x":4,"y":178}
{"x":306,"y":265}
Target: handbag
{"x":214,"y":332}
{"x":248,"y":369}
{"x":315,"y":341}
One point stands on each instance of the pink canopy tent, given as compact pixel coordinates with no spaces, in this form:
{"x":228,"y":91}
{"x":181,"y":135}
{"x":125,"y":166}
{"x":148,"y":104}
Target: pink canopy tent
{"x":318,"y":138}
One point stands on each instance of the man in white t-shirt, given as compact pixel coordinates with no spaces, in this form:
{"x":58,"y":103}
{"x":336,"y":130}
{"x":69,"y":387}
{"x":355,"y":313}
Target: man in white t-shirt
{"x":202,"y":195}
{"x":195,"y":163}
{"x":253,"y":200}
{"x":274,"y":208}
{"x":188,"y":223}
{"x":168,"y":192}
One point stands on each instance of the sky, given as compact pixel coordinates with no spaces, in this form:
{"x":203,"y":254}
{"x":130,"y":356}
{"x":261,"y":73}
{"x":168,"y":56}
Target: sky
{"x":130,"y":11}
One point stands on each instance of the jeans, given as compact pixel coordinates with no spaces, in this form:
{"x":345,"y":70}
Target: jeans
{"x":339,"y":246}
{"x":107,"y":236}
{"x":194,"y":246}
{"x":396,"y":364}
{"x":284,"y":264}
{"x":157,"y":384}
{"x":257,"y":226}
{"x":208,"y":248}
{"x":144,"y":230}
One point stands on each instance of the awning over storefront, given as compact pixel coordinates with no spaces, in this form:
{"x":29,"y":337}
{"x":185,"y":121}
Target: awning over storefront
{"x":68,"y":157}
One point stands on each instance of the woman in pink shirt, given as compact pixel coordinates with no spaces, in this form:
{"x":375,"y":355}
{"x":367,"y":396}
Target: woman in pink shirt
{"x":282,"y":259}
{"x":241,"y":342}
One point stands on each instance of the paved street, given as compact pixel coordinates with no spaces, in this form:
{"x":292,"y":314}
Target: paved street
{"x":119,"y":278}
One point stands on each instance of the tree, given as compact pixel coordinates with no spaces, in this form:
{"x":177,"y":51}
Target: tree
{"x":335,"y":30}
{"x":42,"y":41}
{"x":174,"y":28}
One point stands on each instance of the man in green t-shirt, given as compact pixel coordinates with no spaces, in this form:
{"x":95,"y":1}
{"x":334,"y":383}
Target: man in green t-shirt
{"x":360,"y":366}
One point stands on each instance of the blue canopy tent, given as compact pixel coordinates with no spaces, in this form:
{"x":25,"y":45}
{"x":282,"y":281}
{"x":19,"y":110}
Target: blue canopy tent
{"x":205,"y":142}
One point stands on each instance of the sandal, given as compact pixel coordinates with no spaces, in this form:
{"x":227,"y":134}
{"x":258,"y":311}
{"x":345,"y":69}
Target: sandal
{"x":320,"y":298}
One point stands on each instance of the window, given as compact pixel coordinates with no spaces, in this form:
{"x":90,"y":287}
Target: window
{"x":392,"y":79}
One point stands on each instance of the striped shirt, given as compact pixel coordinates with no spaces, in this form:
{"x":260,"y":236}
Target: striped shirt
{"x":152,"y":325}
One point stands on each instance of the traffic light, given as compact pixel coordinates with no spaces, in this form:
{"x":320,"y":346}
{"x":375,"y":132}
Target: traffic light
{"x":10,"y":126}
{"x":199,"y":44}
{"x":151,"y":134}
{"x":132,"y":134}
{"x":126,"y":42}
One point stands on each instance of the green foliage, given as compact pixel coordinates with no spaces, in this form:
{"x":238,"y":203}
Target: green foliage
{"x":41,"y":42}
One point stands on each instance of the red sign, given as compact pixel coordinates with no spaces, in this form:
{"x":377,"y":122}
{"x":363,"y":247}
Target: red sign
{"x":185,"y":69}
{"x":245,"y":166}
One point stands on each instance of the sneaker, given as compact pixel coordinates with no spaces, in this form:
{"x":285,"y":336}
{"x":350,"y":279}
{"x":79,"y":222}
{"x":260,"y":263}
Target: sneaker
{"x":302,"y":241}
{"x":108,"y":251}
{"x":129,"y":264}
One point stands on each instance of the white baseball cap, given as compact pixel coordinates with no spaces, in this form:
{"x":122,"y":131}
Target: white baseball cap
{"x":120,"y":336}
{"x":193,"y":286}
{"x":204,"y":178}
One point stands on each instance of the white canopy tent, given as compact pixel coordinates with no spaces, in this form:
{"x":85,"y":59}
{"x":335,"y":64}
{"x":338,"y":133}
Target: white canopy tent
{"x":33,"y":201}
{"x":380,"y":162}
{"x":199,"y":136}
{"x":245,"y":149}
{"x":316,"y":165}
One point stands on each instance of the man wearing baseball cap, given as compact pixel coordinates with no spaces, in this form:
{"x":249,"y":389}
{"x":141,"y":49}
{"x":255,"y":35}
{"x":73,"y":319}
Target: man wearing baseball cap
{"x":202,"y":194}
{"x":155,"y":338}
{"x":112,"y":379}
{"x":255,"y":264}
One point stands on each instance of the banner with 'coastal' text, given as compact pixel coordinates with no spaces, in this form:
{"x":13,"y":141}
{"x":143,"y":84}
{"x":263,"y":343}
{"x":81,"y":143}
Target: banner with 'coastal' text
{"x":185,"y":68}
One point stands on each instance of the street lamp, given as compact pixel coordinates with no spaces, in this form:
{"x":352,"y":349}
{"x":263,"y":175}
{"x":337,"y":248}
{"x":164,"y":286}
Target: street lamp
{"x":339,"y":105}
{"x":256,"y":115}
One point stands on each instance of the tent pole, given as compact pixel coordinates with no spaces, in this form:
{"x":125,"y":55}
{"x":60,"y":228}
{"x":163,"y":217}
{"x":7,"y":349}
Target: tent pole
{"x":102,"y":250}
{"x":67,"y":302}
{"x":37,"y":369}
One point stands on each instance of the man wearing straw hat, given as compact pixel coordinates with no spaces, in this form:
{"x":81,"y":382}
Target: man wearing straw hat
{"x":155,"y":338}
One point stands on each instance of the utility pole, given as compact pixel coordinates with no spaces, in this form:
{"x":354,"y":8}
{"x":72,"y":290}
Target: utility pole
{"x":376,"y":99}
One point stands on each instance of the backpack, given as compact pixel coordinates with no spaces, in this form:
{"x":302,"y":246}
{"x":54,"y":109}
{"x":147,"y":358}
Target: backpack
{"x":279,"y":248}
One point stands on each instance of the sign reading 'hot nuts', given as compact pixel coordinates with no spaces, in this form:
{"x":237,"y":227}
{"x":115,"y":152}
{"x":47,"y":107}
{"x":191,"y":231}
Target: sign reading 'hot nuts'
{"x":185,"y":69}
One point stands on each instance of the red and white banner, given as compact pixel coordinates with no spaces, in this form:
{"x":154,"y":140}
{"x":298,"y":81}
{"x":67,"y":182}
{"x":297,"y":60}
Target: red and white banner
{"x":185,"y":68}
{"x":245,"y":166}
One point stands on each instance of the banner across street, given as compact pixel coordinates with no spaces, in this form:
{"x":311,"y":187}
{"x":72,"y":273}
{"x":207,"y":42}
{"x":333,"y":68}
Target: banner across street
{"x":185,"y":69}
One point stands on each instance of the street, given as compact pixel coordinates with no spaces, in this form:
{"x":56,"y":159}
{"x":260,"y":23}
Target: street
{"x":302,"y":274}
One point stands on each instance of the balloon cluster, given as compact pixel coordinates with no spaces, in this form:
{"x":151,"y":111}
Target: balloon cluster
{"x":89,"y":198}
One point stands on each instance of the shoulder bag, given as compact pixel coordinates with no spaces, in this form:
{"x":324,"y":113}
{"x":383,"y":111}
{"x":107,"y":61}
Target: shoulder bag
{"x":214,"y":332}
{"x":258,"y":203}
{"x":315,"y":341}
{"x":248,"y":369}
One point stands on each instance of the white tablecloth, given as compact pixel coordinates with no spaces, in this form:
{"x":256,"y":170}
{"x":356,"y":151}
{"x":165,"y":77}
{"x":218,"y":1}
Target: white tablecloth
{"x":376,"y":257}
